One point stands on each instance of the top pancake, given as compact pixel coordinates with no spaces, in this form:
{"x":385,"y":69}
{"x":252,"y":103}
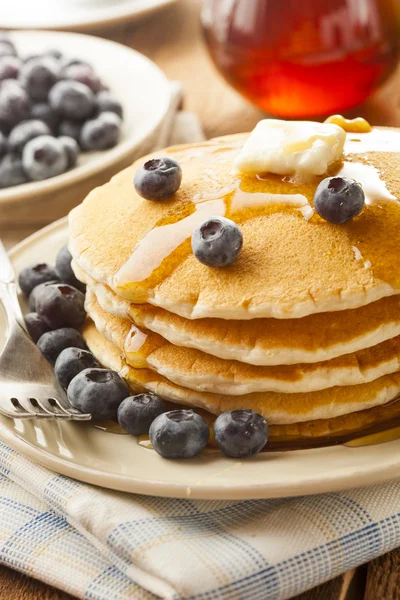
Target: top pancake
{"x":290,"y":266}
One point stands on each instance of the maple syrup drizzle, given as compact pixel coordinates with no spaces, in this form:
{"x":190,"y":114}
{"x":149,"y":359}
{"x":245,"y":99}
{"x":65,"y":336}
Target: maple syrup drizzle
{"x":167,"y":244}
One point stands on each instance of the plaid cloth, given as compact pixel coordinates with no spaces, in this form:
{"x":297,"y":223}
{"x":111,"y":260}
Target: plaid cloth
{"x":103,"y":545}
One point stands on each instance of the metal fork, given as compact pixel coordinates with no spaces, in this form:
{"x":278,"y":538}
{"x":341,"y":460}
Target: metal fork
{"x":28,"y":388}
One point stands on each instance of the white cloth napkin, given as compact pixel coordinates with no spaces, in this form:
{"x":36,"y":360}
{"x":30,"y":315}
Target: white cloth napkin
{"x":103,"y":545}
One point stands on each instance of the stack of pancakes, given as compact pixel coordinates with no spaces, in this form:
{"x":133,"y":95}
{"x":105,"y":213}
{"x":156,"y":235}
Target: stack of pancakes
{"x":303,"y":328}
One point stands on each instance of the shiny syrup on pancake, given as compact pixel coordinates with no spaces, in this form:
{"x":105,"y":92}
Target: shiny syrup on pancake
{"x":252,"y":197}
{"x":168,"y":243}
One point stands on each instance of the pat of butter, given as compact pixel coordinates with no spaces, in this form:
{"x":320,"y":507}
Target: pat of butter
{"x":301,"y":148}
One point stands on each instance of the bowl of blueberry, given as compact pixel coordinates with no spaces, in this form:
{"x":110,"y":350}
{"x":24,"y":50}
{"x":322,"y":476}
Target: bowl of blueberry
{"x":74,"y":110}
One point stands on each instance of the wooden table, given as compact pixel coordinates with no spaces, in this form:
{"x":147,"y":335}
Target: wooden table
{"x":173,"y":40}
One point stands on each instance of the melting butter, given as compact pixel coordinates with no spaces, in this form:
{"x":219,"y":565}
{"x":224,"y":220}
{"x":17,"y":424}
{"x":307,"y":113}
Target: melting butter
{"x":135,"y":339}
{"x":242,"y":200}
{"x":374,"y":187}
{"x":377,"y":140}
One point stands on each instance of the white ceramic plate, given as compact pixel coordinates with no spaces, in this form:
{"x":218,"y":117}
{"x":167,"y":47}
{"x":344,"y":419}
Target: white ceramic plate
{"x":118,"y":462}
{"x":137,"y":83}
{"x":77,"y":15}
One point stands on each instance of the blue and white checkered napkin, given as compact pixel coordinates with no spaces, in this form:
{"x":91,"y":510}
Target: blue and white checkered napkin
{"x":105,"y":545}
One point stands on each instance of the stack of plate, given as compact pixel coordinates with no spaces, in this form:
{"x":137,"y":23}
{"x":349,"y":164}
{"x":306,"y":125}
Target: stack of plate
{"x":303,"y":328}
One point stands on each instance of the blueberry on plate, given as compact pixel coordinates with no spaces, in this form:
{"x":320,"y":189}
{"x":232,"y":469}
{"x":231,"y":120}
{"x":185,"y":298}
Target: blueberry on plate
{"x":35,"y":325}
{"x":25,"y":131}
{"x":52,"y":343}
{"x":34,"y":275}
{"x":70,"y":129}
{"x":38,"y":77}
{"x":12,"y":171}
{"x":105,"y":102}
{"x":43,"y":112}
{"x":61,"y":305}
{"x":36,"y":290}
{"x":241,"y":433}
{"x":44,"y":157}
{"x":71,"y":362}
{"x":72,"y":100}
{"x":158,"y":178}
{"x":98,"y":392}
{"x":136,"y":413}
{"x":10,"y":67}
{"x":83,"y":74}
{"x":101,"y":133}
{"x":179,"y":434}
{"x":338,"y":199}
{"x":217,"y":242}
{"x":71,"y":149}
{"x":15,"y":105}
{"x":64,"y":269}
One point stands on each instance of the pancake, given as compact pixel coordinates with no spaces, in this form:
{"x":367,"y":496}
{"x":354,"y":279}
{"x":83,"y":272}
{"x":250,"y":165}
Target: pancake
{"x":199,"y":371}
{"x":290,"y":266}
{"x":280,"y":409}
{"x":265,"y":342}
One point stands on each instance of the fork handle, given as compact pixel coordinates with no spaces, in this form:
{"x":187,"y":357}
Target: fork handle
{"x":9,"y":299}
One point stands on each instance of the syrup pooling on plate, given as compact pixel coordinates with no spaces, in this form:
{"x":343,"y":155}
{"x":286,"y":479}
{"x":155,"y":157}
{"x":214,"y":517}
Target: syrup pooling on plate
{"x":168,"y":243}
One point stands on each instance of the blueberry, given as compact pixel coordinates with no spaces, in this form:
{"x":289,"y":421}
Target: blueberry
{"x":70,"y":129}
{"x":338,"y":199}
{"x":179,"y":434}
{"x":10,"y":67}
{"x":101,"y":133}
{"x":64,"y":269}
{"x":35,"y":325}
{"x":7,"y":48}
{"x":24,"y":132}
{"x":83,"y":74}
{"x":241,"y":433}
{"x":44,"y":157}
{"x":136,"y":413}
{"x":36,"y":290}
{"x":34,"y":275}
{"x":14,"y":103}
{"x":105,"y":102}
{"x":72,"y":100}
{"x":217,"y":242}
{"x":43,"y":112}
{"x":98,"y":392}
{"x":12,"y":171}
{"x":52,"y":343}
{"x":71,"y":362}
{"x":61,"y":305}
{"x":71,"y":149}
{"x":38,"y":77}
{"x":158,"y":178}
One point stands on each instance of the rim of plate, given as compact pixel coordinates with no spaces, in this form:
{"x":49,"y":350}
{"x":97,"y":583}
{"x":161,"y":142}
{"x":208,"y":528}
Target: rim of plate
{"x":326,"y":480}
{"x":108,"y":157}
{"x":120,"y":14}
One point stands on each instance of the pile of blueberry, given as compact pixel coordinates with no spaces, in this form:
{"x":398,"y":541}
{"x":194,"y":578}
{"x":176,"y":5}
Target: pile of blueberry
{"x":56,"y":300}
{"x":51,"y":108}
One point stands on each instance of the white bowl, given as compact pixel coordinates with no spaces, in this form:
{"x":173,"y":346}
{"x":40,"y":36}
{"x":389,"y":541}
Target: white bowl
{"x":78,"y":15}
{"x":144,"y":93}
